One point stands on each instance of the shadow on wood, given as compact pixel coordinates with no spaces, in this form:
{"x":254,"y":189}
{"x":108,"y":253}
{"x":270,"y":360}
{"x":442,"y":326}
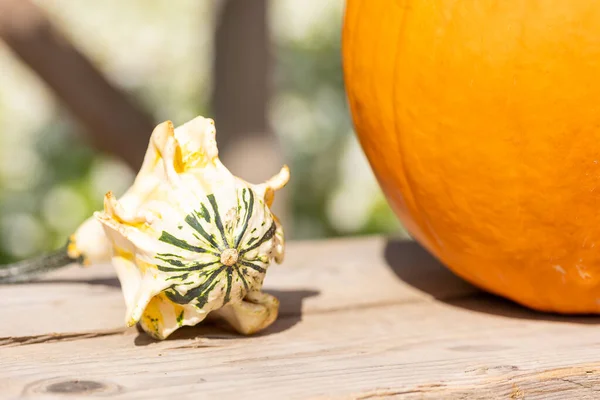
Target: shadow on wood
{"x":205,"y":331}
{"x":290,"y":309}
{"x":290,"y":313}
{"x":417,"y":267}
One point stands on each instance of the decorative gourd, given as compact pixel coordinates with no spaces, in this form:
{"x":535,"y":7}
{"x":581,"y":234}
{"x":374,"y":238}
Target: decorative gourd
{"x":481,"y":122}
{"x":188,"y":238}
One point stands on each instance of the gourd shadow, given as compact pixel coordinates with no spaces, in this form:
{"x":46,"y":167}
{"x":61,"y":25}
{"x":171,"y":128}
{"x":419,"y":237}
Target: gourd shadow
{"x":290,"y":313}
{"x":418,"y":268}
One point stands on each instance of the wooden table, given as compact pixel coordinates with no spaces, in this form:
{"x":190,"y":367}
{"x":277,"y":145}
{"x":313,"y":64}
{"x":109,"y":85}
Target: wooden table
{"x":363,"y":318}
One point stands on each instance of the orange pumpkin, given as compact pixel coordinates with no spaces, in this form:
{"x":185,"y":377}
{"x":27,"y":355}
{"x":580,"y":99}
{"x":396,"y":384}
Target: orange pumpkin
{"x":481,"y":121}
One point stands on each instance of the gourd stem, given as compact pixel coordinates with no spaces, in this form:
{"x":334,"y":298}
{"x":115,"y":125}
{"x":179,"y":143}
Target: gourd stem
{"x":27,"y":270}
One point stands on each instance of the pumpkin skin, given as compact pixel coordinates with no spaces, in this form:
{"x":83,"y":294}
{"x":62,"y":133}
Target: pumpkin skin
{"x":481,"y":121}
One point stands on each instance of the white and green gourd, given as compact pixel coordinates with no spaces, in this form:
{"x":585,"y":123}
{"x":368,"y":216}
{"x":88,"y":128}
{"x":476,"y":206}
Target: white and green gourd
{"x":188,"y":238}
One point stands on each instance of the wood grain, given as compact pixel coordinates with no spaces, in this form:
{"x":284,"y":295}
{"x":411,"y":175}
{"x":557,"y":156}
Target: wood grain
{"x":365,"y":319}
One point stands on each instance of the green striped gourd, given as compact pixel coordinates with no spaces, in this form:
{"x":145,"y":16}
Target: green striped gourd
{"x":188,"y":238}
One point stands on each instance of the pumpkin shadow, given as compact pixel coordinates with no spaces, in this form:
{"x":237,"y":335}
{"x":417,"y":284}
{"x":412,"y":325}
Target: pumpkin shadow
{"x":290,"y":313}
{"x":415,"y":266}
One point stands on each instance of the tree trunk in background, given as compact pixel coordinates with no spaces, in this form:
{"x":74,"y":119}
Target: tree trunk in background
{"x":241,"y":92}
{"x":114,"y":124}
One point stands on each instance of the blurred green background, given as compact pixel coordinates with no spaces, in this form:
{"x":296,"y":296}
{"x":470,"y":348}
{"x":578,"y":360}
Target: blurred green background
{"x":160,"y":53}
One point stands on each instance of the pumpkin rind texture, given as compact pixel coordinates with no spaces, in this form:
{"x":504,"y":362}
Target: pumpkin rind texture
{"x":482,"y":125}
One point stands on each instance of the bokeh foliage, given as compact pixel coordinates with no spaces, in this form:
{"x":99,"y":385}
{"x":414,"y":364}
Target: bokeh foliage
{"x":51,"y":180}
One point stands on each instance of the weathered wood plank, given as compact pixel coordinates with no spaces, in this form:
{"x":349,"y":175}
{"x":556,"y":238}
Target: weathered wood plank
{"x":358,"y":322}
{"x":339,"y":274}
{"x":426,"y":349}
